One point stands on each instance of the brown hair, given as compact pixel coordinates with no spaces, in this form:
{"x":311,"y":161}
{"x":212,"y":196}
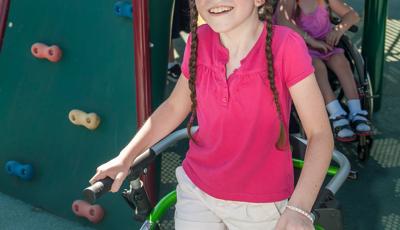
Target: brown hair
{"x":265,"y":14}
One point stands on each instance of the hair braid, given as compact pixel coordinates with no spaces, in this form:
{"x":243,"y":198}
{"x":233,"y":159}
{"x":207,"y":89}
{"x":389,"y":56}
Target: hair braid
{"x":192,"y":64}
{"x":268,"y":12}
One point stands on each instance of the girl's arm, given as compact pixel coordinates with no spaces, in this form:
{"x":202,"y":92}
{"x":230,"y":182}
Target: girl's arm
{"x":310,"y":107}
{"x":163,"y":121}
{"x":311,"y":110}
{"x":347,"y":14}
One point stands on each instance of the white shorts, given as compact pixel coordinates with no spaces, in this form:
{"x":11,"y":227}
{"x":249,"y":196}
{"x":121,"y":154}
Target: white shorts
{"x":195,"y":210}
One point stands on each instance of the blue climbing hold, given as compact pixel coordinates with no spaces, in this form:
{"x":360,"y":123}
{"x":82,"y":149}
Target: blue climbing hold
{"x":23,"y":171}
{"x":123,"y":9}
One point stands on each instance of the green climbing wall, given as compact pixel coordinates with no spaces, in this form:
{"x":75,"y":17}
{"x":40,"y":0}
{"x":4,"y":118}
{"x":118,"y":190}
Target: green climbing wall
{"x":95,"y":74}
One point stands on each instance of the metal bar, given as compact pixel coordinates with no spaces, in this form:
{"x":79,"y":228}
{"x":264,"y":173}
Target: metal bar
{"x":340,"y":174}
{"x":141,"y":30}
{"x":344,"y":169}
{"x":4,"y":7}
{"x":374,"y":43}
{"x":299,"y":164}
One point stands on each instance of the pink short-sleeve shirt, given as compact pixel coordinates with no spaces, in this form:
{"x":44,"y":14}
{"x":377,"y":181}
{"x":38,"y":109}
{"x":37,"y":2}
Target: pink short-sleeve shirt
{"x":235,"y":157}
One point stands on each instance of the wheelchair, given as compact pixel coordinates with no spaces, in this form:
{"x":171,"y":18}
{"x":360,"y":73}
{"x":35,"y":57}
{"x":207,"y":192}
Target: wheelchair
{"x":326,"y":209}
{"x":363,"y":83}
{"x":364,"y":89}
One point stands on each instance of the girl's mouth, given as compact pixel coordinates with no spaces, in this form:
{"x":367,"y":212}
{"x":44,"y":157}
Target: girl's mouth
{"x":220,"y":10}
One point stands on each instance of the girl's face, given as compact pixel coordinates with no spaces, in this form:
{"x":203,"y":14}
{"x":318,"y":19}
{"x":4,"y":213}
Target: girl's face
{"x":226,"y":15}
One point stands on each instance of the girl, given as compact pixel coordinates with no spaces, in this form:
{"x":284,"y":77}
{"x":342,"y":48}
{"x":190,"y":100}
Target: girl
{"x":311,"y":19}
{"x":239,"y":75}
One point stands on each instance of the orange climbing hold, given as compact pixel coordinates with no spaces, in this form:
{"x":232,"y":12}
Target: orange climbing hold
{"x":52,"y":53}
{"x":94,"y":213}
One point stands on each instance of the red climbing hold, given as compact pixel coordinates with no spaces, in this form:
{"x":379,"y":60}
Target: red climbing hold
{"x":52,"y":53}
{"x":94,"y":213}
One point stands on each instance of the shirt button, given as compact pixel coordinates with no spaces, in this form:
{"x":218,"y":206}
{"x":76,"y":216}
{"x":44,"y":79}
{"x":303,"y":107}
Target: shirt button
{"x":224,"y":99}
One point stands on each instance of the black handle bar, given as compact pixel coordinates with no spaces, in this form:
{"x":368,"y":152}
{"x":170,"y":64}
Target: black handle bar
{"x":100,"y":187}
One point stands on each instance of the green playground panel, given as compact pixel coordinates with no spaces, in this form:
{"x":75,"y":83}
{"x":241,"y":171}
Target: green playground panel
{"x":95,"y":74}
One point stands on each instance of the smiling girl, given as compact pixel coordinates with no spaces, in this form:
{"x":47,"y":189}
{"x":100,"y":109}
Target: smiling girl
{"x":239,"y":77}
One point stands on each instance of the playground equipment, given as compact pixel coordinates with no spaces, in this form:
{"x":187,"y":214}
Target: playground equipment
{"x":373,"y":44}
{"x":95,"y":74}
{"x":4,"y":4}
{"x":23,"y":171}
{"x":123,"y":9}
{"x":89,"y":120}
{"x":110,"y":66}
{"x":93,"y":213}
{"x":52,"y":53}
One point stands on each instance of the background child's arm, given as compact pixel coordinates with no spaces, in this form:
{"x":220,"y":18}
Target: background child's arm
{"x":310,"y":107}
{"x":348,"y":18}
{"x":347,"y":14}
{"x":285,"y":13}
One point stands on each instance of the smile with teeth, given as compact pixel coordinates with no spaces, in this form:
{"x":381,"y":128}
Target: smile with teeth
{"x":220,"y":9}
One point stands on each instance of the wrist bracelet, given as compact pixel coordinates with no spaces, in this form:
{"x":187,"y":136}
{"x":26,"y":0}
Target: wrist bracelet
{"x":306,"y":214}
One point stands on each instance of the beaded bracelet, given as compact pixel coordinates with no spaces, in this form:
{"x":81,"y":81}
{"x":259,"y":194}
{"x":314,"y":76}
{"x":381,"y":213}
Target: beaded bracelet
{"x":306,"y":214}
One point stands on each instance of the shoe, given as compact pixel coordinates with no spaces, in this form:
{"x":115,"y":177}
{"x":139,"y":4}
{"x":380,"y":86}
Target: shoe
{"x":356,"y":122}
{"x":174,"y":72}
{"x":338,"y":128}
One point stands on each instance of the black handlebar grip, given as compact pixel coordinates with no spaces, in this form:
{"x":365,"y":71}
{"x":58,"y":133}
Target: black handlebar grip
{"x":96,"y":190}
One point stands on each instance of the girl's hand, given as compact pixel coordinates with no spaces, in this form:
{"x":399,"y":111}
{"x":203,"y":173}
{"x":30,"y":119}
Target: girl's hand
{"x":333,"y":37}
{"x":320,"y":45}
{"x":117,"y":169}
{"x":292,"y":220}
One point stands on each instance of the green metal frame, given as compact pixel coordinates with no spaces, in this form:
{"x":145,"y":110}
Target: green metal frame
{"x":374,"y":43}
{"x":332,"y":170}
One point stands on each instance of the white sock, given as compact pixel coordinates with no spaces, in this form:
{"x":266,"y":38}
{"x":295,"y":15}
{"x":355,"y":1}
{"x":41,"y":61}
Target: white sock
{"x":335,"y":109}
{"x":355,"y":108}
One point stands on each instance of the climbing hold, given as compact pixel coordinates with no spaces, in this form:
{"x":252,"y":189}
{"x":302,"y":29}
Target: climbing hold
{"x":52,"y":53}
{"x":89,"y":120}
{"x":23,"y":171}
{"x":123,"y":9}
{"x":94,"y":213}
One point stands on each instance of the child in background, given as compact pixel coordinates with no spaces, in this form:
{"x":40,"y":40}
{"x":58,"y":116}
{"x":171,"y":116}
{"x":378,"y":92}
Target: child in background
{"x":239,"y":77}
{"x":311,"y":19}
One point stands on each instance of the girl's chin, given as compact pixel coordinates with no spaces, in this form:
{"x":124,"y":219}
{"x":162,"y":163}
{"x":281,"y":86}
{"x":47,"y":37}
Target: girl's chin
{"x":220,"y":28}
